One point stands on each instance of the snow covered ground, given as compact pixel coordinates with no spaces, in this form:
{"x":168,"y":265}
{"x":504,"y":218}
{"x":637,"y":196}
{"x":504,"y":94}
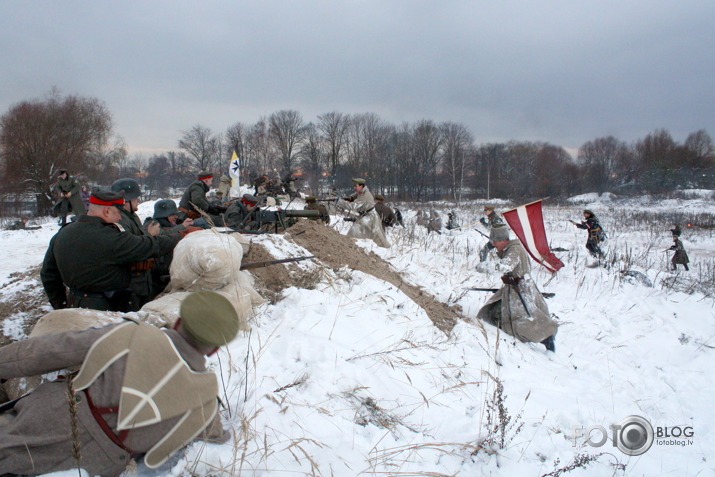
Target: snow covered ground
{"x":352,"y":378}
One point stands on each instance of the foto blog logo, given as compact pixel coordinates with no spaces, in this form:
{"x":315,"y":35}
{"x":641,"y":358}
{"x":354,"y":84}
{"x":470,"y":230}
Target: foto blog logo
{"x":633,"y":435}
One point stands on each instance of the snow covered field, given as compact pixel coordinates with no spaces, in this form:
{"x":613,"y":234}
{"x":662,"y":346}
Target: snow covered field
{"x":350,"y":377}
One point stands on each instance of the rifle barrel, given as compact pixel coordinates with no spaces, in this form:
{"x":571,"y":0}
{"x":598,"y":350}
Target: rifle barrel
{"x":494,"y":290}
{"x":251,"y":265}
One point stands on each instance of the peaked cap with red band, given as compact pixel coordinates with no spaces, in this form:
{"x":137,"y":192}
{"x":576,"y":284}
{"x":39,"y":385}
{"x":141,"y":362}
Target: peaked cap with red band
{"x":106,"y":196}
{"x":205,"y":175}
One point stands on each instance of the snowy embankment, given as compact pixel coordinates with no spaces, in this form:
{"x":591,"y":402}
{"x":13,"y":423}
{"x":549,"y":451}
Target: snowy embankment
{"x":352,"y":378}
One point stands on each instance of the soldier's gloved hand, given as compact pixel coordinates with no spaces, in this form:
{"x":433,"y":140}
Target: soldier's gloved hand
{"x":349,"y":199}
{"x":509,"y":279}
{"x":58,"y":304}
{"x":484,"y":222}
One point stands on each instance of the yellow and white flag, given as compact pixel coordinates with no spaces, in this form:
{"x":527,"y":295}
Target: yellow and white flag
{"x":234,"y":171}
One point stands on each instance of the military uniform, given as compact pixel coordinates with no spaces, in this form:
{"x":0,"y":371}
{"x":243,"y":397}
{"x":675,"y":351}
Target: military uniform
{"x":527,"y":320}
{"x":195,"y":198}
{"x":238,"y":211}
{"x":367,"y":223}
{"x":680,"y":257}
{"x":73,"y":203}
{"x":22,"y":225}
{"x":492,"y":219}
{"x":595,"y":234}
{"x":160,"y":271}
{"x":93,"y":259}
{"x":312,"y":204}
{"x":224,"y":185}
{"x":435,"y":222}
{"x":114,"y":425}
{"x":387,"y":215}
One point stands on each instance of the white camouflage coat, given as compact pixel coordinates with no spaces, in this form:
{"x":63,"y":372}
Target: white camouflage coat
{"x":535,"y":325}
{"x":368,"y":224}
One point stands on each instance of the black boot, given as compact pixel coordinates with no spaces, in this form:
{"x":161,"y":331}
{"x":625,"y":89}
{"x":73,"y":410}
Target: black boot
{"x":550,"y":343}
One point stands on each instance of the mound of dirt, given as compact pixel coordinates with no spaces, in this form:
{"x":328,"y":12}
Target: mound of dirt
{"x":30,"y":301}
{"x":337,"y":251}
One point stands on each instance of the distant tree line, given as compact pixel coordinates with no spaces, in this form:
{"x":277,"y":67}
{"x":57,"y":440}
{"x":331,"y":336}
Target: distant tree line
{"x":417,"y":161}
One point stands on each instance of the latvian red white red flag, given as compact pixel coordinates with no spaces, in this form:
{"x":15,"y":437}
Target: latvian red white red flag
{"x":527,"y":222}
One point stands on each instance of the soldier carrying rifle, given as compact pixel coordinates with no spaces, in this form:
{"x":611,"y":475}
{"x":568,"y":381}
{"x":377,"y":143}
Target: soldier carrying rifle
{"x":366,"y":221}
{"x":596,"y":234}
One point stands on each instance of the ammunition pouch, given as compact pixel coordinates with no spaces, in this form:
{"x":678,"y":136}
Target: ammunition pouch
{"x":143,"y":266}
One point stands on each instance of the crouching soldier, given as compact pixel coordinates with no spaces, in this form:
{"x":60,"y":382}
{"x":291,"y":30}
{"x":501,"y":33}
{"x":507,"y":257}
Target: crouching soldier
{"x":165,"y":216}
{"x":518,"y":307}
{"x":387,"y":215}
{"x":311,"y":203}
{"x":140,"y":393}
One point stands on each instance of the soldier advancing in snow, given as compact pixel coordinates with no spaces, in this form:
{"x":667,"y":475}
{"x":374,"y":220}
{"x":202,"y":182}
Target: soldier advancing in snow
{"x":595,"y":233}
{"x":680,"y":256}
{"x":452,"y":221}
{"x":69,"y":197}
{"x":387,"y":216}
{"x":93,"y":257}
{"x":366,"y":221}
{"x":491,"y":219}
{"x":434,"y":224}
{"x":118,"y":412}
{"x":518,"y":308}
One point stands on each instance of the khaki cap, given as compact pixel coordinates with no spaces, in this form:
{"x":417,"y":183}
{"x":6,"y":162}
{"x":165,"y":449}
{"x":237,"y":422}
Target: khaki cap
{"x":359,"y":180}
{"x":209,"y":318}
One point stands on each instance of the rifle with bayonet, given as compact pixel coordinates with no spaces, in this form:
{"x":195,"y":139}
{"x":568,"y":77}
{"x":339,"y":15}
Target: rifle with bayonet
{"x":267,"y":263}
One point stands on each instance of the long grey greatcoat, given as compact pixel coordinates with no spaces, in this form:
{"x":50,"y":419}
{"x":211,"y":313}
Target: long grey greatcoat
{"x":71,"y":185}
{"x":368,"y":224}
{"x":37,"y":439}
{"x":534,"y":326}
{"x":680,"y":257}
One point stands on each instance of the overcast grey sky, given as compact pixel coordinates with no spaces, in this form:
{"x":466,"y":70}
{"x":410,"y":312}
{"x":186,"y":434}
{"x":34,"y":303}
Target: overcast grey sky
{"x":564,"y":71}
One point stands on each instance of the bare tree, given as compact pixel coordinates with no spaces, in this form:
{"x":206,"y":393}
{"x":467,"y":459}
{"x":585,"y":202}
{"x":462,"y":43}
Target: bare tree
{"x":700,"y":148}
{"x":334,"y":127}
{"x":427,"y":149}
{"x":312,"y":157}
{"x":202,"y":146}
{"x":457,"y":142}
{"x":258,"y":153}
{"x":555,"y":172}
{"x":40,"y":136}
{"x":236,"y":140}
{"x":286,"y":131}
{"x":604,"y":162}
{"x":659,"y":161}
